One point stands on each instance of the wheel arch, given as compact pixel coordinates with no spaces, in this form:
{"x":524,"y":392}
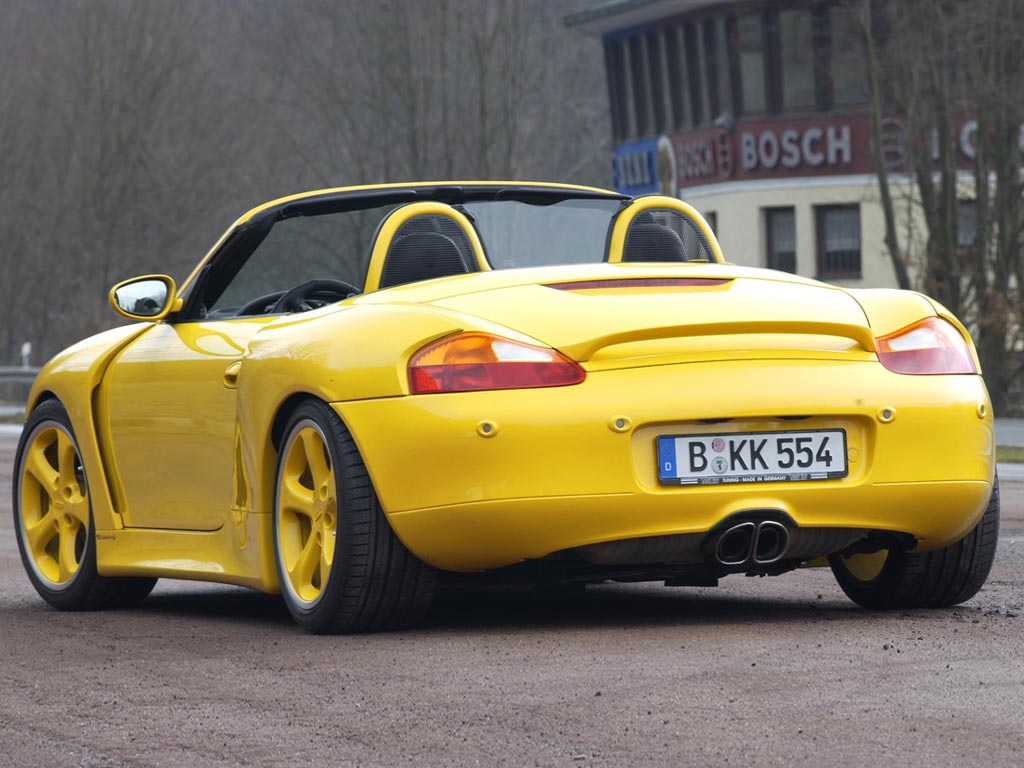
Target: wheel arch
{"x":284,"y":413}
{"x":39,"y":398}
{"x":265,"y":447}
{"x":274,"y":435}
{"x":75,"y":379}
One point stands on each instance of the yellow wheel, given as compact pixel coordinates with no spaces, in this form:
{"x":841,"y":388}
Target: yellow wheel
{"x":54,"y":520}
{"x":307,"y":524}
{"x":54,"y":510}
{"x":341,"y":567}
{"x":865,"y":568}
{"x":896,"y":578}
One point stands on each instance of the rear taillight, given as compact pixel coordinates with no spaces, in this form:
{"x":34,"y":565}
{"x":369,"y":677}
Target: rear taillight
{"x":474,"y":361}
{"x":931,"y":346}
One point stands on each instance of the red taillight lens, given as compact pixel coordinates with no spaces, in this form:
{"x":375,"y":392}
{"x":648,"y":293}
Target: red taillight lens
{"x":473,"y":361}
{"x":929,"y":347}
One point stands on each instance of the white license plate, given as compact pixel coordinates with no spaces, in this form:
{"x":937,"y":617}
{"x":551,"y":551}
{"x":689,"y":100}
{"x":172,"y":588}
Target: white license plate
{"x":752,"y":457}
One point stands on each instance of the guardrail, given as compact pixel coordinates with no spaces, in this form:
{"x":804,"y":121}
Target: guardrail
{"x":15,"y":382}
{"x":17,"y":375}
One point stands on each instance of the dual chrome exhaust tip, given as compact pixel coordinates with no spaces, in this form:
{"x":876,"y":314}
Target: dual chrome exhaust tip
{"x":760,"y":543}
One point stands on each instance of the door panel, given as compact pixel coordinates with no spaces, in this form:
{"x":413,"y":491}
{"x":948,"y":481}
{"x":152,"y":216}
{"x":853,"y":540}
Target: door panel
{"x":172,"y":415}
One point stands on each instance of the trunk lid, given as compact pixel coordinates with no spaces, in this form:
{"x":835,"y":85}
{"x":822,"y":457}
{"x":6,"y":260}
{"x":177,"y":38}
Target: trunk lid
{"x":615,"y":315}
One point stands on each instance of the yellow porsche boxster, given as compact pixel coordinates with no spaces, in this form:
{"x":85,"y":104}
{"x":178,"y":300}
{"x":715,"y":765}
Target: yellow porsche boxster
{"x":361,"y":394}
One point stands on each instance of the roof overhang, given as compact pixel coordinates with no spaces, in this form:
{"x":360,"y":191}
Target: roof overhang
{"x":622,"y":14}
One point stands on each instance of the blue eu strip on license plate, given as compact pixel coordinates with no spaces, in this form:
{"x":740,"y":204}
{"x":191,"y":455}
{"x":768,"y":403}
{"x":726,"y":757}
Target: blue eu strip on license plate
{"x":752,"y":457}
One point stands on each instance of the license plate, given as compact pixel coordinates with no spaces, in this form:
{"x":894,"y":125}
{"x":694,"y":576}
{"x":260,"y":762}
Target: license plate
{"x":752,"y":457}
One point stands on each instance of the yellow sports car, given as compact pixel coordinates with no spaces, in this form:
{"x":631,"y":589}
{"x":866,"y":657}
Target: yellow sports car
{"x":362,"y":393}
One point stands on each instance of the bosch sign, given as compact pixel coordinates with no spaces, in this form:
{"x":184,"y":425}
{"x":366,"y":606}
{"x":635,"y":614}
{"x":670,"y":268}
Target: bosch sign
{"x":793,"y":148}
{"x":753,"y":150}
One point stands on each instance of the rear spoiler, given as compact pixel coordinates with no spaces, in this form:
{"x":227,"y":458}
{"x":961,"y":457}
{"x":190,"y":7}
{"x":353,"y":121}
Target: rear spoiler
{"x":583,"y":351}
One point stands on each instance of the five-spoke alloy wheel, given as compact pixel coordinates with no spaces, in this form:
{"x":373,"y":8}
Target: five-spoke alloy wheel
{"x":341,"y":567}
{"x":307,"y":523}
{"x":53,"y":518}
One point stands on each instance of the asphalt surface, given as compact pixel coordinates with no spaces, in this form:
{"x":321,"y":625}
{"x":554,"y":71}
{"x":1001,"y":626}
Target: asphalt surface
{"x":780,"y":671}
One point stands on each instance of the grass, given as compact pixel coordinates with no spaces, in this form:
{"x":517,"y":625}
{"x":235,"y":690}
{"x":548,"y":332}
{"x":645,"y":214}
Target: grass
{"x":1010,"y":453}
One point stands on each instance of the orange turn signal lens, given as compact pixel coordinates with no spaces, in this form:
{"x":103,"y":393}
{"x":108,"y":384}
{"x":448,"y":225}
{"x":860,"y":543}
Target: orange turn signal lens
{"x":466,"y":362}
{"x":932,"y":346}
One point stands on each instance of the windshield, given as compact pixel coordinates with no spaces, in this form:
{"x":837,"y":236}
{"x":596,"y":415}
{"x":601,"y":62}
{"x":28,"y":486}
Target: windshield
{"x":337,"y":246}
{"x":517,"y":234}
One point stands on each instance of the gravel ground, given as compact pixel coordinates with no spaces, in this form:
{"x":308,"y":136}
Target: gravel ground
{"x":781,"y":671}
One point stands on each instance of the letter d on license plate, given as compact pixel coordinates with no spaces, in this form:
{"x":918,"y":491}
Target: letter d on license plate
{"x":752,"y":457}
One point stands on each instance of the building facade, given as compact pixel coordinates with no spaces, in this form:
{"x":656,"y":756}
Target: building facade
{"x":755,"y":113}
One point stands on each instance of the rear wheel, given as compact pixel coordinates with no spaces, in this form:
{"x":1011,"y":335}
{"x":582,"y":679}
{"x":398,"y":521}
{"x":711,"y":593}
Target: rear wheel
{"x":53,"y":519}
{"x":942,"y":577}
{"x":341,"y":567}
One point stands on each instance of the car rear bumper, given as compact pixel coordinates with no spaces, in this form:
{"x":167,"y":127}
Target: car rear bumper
{"x":478,"y":480}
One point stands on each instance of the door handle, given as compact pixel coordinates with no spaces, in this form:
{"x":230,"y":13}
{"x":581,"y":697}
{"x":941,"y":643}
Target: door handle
{"x":231,"y":374}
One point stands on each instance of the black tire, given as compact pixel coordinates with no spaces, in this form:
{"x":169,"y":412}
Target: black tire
{"x":84,"y":589}
{"x":373,"y":582}
{"x":935,"y":579}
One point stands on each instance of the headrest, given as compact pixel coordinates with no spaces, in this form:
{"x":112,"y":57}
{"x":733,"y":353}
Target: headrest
{"x":653,"y":242}
{"x":420,"y":255}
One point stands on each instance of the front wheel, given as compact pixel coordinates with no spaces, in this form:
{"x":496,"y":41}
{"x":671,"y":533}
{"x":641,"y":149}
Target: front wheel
{"x":942,"y":577}
{"x":53,"y":519}
{"x":341,"y":567}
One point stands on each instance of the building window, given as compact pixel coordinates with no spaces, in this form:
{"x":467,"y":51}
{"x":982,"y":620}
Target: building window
{"x":846,"y":57}
{"x":656,"y":68}
{"x":967,"y":231}
{"x":750,"y":41}
{"x":796,"y":53}
{"x":716,"y":64}
{"x":676,"y":77}
{"x":838,"y":241}
{"x":623,"y":74}
{"x":694,"y":72}
{"x":615,"y":66}
{"x":966,"y":224}
{"x":641,"y":83}
{"x":780,"y":238}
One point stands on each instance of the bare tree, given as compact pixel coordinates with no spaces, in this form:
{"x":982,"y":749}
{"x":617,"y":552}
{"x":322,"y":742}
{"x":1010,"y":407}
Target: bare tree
{"x":132,"y":132}
{"x":16,"y":146}
{"x":118,"y":96}
{"x":118,"y":144}
{"x":447,"y":89}
{"x":953,"y":73}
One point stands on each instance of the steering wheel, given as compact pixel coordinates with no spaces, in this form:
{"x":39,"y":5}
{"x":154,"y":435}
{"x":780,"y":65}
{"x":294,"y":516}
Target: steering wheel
{"x":261,"y":305}
{"x":324,"y":291}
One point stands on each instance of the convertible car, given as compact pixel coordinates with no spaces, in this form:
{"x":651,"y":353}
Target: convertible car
{"x":363,"y":394}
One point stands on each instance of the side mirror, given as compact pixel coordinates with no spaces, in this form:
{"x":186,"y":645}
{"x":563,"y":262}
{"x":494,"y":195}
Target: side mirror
{"x":143,"y":298}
